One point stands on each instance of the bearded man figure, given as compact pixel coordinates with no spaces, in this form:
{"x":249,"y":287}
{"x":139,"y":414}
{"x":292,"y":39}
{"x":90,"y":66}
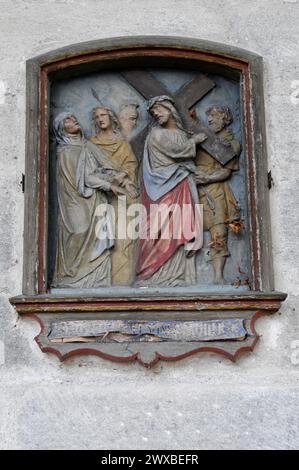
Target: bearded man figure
{"x":110,"y":141}
{"x":168,"y":183}
{"x":219,"y":203}
{"x":84,"y":177}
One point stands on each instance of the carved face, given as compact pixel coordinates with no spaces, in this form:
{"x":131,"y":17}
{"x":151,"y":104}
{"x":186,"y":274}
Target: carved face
{"x":71,"y":125}
{"x":216,"y":120}
{"x":102,"y":119}
{"x":128,"y":118}
{"x":161,"y":114}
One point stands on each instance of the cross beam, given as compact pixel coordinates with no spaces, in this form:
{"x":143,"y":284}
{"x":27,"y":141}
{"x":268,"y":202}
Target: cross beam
{"x":185,"y":98}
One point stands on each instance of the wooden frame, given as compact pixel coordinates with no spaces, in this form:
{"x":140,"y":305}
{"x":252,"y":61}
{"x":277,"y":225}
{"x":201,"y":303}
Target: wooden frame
{"x":144,"y":51}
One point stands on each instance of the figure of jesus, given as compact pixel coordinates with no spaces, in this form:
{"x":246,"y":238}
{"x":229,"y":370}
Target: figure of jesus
{"x":168,"y":181}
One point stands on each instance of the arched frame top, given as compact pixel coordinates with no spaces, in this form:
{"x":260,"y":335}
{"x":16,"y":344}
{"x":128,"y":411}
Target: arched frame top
{"x":126,"y":52}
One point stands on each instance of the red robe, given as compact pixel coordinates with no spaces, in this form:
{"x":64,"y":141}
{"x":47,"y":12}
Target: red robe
{"x":154,"y":252}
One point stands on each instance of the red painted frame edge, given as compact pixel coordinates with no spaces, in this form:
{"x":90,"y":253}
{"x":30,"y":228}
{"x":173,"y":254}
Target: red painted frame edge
{"x":158,"y":356}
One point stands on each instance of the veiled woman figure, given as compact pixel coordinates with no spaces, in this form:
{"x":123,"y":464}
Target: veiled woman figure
{"x":109,"y":140}
{"x":84,"y":178}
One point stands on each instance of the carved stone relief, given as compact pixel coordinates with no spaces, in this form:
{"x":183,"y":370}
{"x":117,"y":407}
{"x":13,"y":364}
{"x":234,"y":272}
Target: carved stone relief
{"x":147,"y":233}
{"x":128,"y":149}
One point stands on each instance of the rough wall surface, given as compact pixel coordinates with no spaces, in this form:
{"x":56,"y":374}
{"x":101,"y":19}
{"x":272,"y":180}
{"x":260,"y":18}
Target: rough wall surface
{"x":204,"y":401}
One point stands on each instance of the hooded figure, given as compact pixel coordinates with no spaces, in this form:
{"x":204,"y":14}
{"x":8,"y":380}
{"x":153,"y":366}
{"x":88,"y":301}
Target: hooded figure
{"x":85,"y":224}
{"x":169,"y":191}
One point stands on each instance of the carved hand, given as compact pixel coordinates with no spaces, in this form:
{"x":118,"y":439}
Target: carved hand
{"x":216,"y":176}
{"x":224,"y":142}
{"x":198,"y":138}
{"x":120,"y":177}
{"x":201,"y":177}
{"x":131,"y":189}
{"x":117,"y":190}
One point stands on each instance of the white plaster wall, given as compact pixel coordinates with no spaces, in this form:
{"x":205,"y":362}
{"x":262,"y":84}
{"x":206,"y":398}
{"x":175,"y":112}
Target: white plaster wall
{"x":202,"y":402}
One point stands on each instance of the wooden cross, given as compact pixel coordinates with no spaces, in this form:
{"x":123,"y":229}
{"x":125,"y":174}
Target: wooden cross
{"x":185,"y":99}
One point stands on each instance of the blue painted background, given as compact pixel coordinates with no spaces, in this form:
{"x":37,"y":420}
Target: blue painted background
{"x":75,"y":95}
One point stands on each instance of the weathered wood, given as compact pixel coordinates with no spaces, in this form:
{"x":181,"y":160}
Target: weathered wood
{"x":155,"y":315}
{"x":260,"y":176}
{"x":137,"y":143}
{"x":139,"y":42}
{"x":194,"y":91}
{"x":146,"y":353}
{"x":213,"y":330}
{"x":186,"y":97}
{"x":156,"y":294}
{"x":145,"y":83}
{"x":30,"y":255}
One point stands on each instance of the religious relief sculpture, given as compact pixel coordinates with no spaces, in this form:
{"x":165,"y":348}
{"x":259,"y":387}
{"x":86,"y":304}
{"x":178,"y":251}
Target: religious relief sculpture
{"x":85,"y":176}
{"x":180,"y":180}
{"x":169,"y":185}
{"x":147,"y":234}
{"x":128,"y":117}
{"x":219,"y":203}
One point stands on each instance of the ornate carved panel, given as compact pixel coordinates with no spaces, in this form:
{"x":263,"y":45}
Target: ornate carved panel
{"x":147,"y":229}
